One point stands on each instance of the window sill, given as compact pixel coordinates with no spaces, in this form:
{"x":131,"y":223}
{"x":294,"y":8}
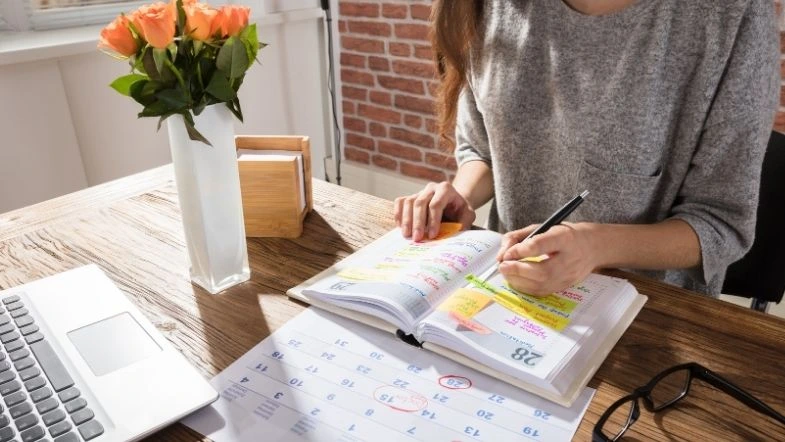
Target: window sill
{"x":23,"y":47}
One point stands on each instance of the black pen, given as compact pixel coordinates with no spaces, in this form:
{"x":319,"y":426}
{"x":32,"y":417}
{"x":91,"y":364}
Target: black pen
{"x":554,"y":219}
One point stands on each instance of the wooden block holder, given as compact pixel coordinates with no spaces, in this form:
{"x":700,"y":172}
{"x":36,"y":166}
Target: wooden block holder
{"x":270,"y":192}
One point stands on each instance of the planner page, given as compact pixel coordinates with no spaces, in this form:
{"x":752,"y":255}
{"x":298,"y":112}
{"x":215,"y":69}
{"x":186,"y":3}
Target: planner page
{"x":322,"y":377}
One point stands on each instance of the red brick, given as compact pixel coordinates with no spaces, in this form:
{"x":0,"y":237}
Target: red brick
{"x":384,"y":162}
{"x":359,"y":141}
{"x":414,"y":68}
{"x":352,"y":60}
{"x":362,"y":45}
{"x":779,"y":121}
{"x":782,"y":42}
{"x":379,"y":114}
{"x":348,"y":107}
{"x":411,"y":31}
{"x":441,"y":161}
{"x":414,"y":121}
{"x":379,"y":64}
{"x":400,"y":49}
{"x":354,"y":124}
{"x":426,"y":173}
{"x":424,"y":52}
{"x":383,"y":98}
{"x":359,"y":9}
{"x":421,"y":12}
{"x":433,"y":88}
{"x":357,"y":77}
{"x":393,"y":11}
{"x":357,"y":155}
{"x":431,"y":126}
{"x":370,"y":28}
{"x":410,"y":137}
{"x":342,"y":26}
{"x":377,"y":130}
{"x":400,"y":151}
{"x":355,"y":93}
{"x":401,"y":84}
{"x":422,"y":105}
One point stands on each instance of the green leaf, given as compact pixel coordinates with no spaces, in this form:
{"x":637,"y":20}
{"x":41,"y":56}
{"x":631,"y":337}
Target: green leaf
{"x":149,"y":64}
{"x":173,"y":99}
{"x":190,"y":127}
{"x":232,"y":58}
{"x":123,"y":84}
{"x":220,"y":88}
{"x":159,"y":56}
{"x":180,"y":18}
{"x":251,"y":42}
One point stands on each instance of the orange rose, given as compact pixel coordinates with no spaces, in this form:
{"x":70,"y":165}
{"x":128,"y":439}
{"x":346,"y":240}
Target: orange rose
{"x":117,"y":37}
{"x":156,"y":22}
{"x":198,"y":20}
{"x":231,"y":19}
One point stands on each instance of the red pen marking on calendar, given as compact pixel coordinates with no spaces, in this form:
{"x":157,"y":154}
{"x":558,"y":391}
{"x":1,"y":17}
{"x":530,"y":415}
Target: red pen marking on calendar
{"x":455,"y":382}
{"x":400,"y":399}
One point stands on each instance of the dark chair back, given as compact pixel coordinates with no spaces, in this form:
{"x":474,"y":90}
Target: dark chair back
{"x":760,"y":274}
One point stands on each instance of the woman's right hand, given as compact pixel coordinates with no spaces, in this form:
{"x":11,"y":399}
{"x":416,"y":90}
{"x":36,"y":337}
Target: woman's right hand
{"x":419,"y":215}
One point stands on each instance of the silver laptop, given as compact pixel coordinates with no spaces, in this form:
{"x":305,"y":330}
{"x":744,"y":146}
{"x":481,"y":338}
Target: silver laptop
{"x":79,"y":362}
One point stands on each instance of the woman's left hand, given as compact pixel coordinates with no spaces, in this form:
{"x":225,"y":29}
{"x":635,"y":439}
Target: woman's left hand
{"x":571,"y":256}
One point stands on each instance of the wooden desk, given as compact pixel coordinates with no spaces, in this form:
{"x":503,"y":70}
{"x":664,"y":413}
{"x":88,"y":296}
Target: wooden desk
{"x":132,"y":229}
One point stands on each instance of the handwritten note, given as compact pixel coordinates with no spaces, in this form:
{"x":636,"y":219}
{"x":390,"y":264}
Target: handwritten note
{"x":322,"y":377}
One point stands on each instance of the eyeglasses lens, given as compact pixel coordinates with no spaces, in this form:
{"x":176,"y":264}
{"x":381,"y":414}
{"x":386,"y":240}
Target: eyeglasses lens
{"x":618,"y":421}
{"x":670,"y":388}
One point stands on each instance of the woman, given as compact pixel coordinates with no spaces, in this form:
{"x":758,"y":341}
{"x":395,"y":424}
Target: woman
{"x":660,"y":108}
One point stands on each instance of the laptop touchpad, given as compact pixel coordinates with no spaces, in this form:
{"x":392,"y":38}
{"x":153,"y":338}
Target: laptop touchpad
{"x":113,"y":343}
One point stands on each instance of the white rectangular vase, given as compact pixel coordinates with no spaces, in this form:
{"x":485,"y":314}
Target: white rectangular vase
{"x":208,"y":187}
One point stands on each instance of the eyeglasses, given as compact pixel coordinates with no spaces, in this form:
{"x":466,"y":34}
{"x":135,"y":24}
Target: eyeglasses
{"x":664,"y":390}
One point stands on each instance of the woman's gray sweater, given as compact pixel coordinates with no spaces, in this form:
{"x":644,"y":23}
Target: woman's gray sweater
{"x":661,"y":110}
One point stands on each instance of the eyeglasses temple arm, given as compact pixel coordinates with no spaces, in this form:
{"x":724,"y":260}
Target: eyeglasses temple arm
{"x":741,"y":395}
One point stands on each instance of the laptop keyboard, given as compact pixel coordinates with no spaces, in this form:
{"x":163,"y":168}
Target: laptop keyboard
{"x":39,"y":399}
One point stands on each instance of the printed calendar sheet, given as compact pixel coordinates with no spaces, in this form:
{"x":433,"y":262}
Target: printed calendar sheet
{"x":325,"y":378}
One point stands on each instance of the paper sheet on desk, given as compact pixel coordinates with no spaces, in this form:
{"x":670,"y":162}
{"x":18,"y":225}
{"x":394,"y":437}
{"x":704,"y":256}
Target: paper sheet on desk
{"x":323,"y":377}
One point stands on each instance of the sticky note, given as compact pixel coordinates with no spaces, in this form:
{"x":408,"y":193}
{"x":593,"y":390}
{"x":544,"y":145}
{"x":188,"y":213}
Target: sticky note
{"x":367,"y":274}
{"x":465,"y":302}
{"x":447,"y":230}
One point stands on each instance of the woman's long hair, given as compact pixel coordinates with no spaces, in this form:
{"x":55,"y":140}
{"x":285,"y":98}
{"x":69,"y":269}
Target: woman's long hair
{"x":454,"y":29}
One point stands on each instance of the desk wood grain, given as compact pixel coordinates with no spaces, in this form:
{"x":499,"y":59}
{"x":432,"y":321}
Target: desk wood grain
{"x":131,"y":228}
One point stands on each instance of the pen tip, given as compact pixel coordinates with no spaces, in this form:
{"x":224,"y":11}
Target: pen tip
{"x":584,"y":194}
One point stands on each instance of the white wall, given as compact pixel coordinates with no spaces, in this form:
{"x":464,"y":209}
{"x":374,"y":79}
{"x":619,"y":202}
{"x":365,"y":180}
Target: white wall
{"x":63,"y":128}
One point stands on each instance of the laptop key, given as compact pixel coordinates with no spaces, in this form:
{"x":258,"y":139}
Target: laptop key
{"x":7,"y":376}
{"x":9,"y":387}
{"x":28,"y":329}
{"x":6,"y":434}
{"x":35,"y":383}
{"x":40,"y":394}
{"x":75,"y":405}
{"x":26,"y":421}
{"x":19,"y":354}
{"x":20,"y":410}
{"x":70,"y":437}
{"x":4,"y":421}
{"x":60,"y":428}
{"x":53,"y":417}
{"x":34,"y":337}
{"x":47,"y":405}
{"x":90,"y":429}
{"x":29,"y":373}
{"x":4,"y":319}
{"x":7,"y":328}
{"x":15,"y":398}
{"x":10,"y":299}
{"x":2,"y":355}
{"x":8,"y":337}
{"x":69,"y":394}
{"x":32,"y":434}
{"x":24,"y":321}
{"x":82,"y":416}
{"x":14,"y":345}
{"x":19,"y":312}
{"x":53,"y":367}
{"x":5,"y":365}
{"x":23,"y":363}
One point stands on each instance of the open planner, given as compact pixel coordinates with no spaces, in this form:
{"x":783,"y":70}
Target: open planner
{"x":427,"y":294}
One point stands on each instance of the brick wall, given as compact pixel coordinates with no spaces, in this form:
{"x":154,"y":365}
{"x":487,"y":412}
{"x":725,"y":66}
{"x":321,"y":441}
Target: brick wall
{"x":388,"y":80}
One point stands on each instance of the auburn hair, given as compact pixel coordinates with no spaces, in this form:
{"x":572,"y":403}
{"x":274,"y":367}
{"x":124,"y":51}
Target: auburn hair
{"x":454,"y":28}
